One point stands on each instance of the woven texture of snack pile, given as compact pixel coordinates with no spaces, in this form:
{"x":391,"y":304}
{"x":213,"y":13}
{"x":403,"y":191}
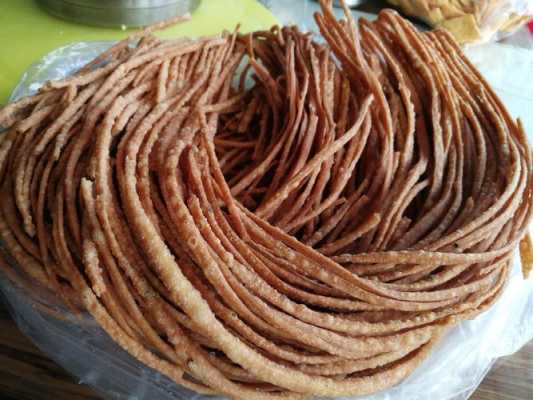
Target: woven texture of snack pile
{"x":266,"y":216}
{"x":470,"y":21}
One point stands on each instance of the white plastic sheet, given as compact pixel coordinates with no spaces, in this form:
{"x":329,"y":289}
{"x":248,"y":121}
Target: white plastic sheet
{"x":452,"y":372}
{"x":300,"y":12}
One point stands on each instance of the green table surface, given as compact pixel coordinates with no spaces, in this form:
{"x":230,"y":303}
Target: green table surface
{"x":27,"y":32}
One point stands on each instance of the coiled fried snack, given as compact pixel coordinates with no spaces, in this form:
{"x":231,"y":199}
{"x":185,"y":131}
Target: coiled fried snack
{"x":266,"y":217}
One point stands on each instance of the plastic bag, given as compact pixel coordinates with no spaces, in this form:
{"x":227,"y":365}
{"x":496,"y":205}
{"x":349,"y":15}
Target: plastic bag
{"x":471,"y":21}
{"x":452,"y":371}
{"x":300,"y":12}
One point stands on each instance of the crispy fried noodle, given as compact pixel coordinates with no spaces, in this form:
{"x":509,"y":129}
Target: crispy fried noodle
{"x":268,"y":217}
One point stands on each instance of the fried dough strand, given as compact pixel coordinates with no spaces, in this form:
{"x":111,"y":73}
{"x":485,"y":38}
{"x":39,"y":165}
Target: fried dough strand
{"x":266,"y":216}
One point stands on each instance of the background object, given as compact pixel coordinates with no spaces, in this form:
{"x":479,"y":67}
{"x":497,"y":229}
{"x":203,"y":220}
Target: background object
{"x":471,"y":21}
{"x":300,"y":12}
{"x":22,"y":46}
{"x":351,"y":3}
{"x":117,"y":13}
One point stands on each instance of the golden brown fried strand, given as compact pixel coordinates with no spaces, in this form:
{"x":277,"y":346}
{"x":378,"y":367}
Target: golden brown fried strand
{"x":253,"y":218}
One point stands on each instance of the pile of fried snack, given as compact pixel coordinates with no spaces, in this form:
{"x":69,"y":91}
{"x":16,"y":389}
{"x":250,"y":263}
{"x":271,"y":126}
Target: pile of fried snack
{"x":469,"y":20}
{"x":265,"y":216}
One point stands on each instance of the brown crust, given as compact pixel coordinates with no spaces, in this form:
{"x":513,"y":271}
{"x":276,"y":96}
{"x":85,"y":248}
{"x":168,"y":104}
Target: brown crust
{"x":313,"y":229}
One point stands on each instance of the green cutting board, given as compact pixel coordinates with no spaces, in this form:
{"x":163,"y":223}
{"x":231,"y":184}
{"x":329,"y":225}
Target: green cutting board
{"x":27,"y":32}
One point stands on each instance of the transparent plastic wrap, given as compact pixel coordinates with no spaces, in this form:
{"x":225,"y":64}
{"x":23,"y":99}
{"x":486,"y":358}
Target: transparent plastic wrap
{"x":453,"y":370}
{"x":471,"y":21}
{"x":291,"y":12}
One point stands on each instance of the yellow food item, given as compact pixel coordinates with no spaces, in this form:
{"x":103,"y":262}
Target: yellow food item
{"x":526,"y":255}
{"x":464,"y":28}
{"x":468,"y":20}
